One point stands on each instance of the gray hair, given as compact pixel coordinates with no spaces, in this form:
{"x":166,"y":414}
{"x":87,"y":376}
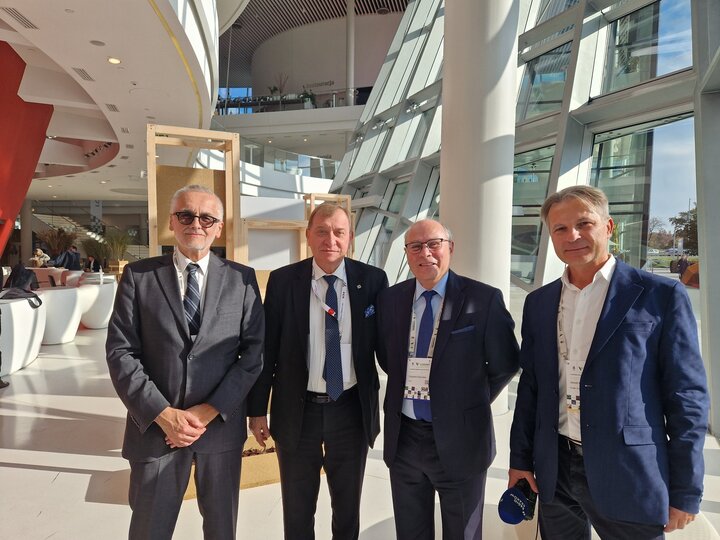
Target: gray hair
{"x":196,"y":188}
{"x":448,"y":232}
{"x":591,"y":197}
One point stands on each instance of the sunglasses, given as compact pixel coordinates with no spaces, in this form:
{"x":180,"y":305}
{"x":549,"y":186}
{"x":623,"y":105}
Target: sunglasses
{"x":186,"y":218}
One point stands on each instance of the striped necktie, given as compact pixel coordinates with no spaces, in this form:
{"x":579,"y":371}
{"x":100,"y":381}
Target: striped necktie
{"x":191,"y":302}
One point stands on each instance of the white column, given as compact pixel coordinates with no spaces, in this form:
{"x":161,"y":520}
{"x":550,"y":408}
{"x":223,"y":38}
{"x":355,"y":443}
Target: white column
{"x":350,"y":52}
{"x":26,"y":219}
{"x":478,"y":138}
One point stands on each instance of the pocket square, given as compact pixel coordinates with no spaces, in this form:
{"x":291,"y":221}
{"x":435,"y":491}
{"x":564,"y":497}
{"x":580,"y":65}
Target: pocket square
{"x":463,"y":330}
{"x":369,"y":311}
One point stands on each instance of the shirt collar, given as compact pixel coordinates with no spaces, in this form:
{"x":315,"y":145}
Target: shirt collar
{"x":318,"y":272}
{"x":605,"y":272}
{"x":181,"y":262}
{"x":439,"y":288}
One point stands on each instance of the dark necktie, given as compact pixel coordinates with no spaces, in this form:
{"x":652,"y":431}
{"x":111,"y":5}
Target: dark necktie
{"x":421,"y":407}
{"x":191,"y":303}
{"x":332,"y":373}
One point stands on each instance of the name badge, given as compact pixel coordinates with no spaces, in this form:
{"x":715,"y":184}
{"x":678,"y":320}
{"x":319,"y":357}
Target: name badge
{"x":417,"y":381}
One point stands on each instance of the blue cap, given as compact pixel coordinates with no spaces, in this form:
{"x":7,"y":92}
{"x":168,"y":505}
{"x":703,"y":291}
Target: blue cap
{"x":513,"y":506}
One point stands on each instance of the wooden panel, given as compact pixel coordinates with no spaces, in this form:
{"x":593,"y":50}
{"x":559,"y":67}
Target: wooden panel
{"x":169,"y":180}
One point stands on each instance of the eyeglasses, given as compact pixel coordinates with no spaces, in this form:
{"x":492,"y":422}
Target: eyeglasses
{"x":434,"y":244}
{"x":186,"y":218}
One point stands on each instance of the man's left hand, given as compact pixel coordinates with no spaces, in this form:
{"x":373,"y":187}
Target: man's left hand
{"x":678,"y":519}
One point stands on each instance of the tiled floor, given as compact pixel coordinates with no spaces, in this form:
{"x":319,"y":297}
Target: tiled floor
{"x":62,"y":477}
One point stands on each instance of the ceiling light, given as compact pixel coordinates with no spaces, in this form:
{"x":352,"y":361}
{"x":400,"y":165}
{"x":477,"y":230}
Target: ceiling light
{"x":103,"y":181}
{"x":54,"y":196}
{"x":304,"y":139}
{"x":97,"y":43}
{"x":49,"y":185}
{"x":114,"y":61}
{"x":269,"y":141}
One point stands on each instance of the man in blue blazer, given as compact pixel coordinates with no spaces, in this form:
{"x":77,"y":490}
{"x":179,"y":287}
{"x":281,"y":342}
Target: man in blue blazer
{"x":446,"y":360}
{"x":612,"y":403}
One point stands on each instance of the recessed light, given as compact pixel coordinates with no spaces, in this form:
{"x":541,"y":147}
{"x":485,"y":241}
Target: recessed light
{"x":269,"y":141}
{"x":54,"y":196}
{"x":97,"y":43}
{"x":304,"y":139}
{"x":103,"y":181}
{"x":114,"y":61}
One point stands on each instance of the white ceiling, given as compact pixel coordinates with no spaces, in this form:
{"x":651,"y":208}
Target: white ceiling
{"x":96,"y":137}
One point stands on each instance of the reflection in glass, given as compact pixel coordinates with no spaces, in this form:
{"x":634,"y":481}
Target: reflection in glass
{"x":543,"y":84}
{"x":549,"y":8}
{"x":387,"y":226}
{"x":653,"y":41}
{"x":530,"y":187}
{"x":648,"y":174}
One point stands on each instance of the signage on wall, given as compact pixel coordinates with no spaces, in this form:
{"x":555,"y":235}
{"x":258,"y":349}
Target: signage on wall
{"x":319,"y":84}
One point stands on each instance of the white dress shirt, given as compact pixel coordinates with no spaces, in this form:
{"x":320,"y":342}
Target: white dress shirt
{"x":316,"y":341}
{"x":419,"y":308}
{"x":578,"y":315}
{"x":181,"y":261}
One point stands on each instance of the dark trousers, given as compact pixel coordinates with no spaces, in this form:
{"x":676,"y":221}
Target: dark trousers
{"x":572,"y":511}
{"x":157,"y":488}
{"x":415,"y":476}
{"x":332,"y":438}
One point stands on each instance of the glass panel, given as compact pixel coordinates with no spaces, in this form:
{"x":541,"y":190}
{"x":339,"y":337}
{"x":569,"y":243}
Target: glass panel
{"x":543,"y":83}
{"x":530,"y":188}
{"x":653,"y":41}
{"x":550,"y":8}
{"x":382,"y":242}
{"x":649,"y":178}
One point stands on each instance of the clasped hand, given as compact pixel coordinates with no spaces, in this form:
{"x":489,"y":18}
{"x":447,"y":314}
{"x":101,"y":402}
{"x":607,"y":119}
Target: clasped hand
{"x":183,"y":427}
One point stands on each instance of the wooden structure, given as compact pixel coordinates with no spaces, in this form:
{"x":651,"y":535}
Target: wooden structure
{"x":226,"y":184}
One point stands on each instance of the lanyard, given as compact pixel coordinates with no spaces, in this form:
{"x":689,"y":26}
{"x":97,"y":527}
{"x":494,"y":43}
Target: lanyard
{"x":413,"y":331}
{"x":327,"y":309}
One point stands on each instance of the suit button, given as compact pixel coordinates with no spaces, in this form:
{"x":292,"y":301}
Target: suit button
{"x":588,"y":386}
{"x":191,"y":357}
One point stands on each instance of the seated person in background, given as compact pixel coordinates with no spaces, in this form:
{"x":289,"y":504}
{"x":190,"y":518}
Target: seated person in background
{"x":91,"y":265}
{"x":39,"y":258}
{"x":73,"y":260}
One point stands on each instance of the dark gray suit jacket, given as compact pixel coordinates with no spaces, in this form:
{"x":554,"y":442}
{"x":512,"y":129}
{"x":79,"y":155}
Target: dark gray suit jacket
{"x":476,"y":355}
{"x":154,"y":363}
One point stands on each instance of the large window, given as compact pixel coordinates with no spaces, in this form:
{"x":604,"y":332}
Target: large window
{"x":543,"y":84}
{"x":648,"y":174}
{"x":530,"y":187}
{"x":653,"y":41}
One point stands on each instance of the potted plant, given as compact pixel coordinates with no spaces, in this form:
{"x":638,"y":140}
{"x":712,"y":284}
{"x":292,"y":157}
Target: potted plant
{"x":58,"y":241}
{"x":309,"y":98}
{"x":117,"y":242}
{"x":99,"y":250}
{"x":274,"y":92}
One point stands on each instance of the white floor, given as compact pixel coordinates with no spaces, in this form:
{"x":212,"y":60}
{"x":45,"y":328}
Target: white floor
{"x":62,"y":477}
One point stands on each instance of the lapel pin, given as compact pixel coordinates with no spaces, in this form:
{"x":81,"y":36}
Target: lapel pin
{"x":359,"y":286}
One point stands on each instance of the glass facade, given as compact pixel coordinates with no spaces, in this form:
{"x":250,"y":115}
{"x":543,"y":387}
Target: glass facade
{"x":648,"y":43}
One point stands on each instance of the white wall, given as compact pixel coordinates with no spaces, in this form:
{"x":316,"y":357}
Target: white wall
{"x":316,"y":53}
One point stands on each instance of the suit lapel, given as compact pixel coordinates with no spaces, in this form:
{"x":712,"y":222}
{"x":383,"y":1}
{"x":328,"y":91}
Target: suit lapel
{"x":214,"y":285}
{"x":624,"y":290}
{"x":167,"y":279}
{"x":401,"y":314}
{"x":452,"y":306}
{"x":546,"y":334}
{"x":301,"y":302}
{"x":357,"y":291}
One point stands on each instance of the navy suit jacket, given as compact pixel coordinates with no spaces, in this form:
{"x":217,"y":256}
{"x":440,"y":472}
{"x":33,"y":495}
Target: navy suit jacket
{"x":476,"y":355}
{"x":287,"y":315}
{"x":643,"y":395}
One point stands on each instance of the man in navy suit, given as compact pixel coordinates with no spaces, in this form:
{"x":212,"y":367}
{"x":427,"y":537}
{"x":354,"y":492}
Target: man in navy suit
{"x":612,"y":404}
{"x":448,"y":347}
{"x":320,"y":345}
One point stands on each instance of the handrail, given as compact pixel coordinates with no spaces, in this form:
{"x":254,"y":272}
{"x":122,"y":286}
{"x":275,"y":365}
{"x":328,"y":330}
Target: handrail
{"x":289,"y":101}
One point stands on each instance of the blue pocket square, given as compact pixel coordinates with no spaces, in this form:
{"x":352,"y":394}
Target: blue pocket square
{"x":369,"y":311}
{"x":463,"y":330}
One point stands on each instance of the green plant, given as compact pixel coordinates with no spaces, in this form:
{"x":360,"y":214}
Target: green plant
{"x":117,"y":242}
{"x":308,"y":94}
{"x":99,"y":250}
{"x":273,"y":90}
{"x":57,"y":240}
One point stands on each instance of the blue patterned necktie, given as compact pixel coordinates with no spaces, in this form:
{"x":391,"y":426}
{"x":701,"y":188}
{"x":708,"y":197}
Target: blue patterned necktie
{"x":191,"y":302}
{"x":332,"y":373}
{"x":421,"y":407}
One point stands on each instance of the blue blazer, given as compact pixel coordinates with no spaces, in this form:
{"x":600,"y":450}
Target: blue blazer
{"x":643,"y":395}
{"x":476,"y":355}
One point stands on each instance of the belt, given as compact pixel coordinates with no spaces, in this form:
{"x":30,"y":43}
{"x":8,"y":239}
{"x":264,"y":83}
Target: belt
{"x":574,"y":446}
{"x":323,"y":398}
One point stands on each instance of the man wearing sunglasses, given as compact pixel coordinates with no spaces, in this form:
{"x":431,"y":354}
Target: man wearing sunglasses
{"x":448,"y":347}
{"x":184,"y":347}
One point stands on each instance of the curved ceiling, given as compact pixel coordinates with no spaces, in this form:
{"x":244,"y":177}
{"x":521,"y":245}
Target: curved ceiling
{"x":263,"y":19}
